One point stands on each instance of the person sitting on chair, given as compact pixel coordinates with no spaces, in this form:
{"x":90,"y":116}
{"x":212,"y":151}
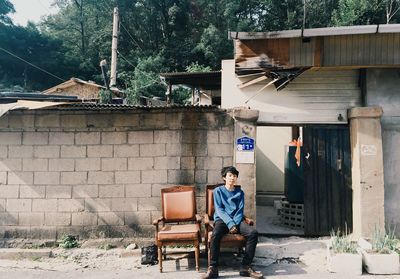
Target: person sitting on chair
{"x":229,"y":218}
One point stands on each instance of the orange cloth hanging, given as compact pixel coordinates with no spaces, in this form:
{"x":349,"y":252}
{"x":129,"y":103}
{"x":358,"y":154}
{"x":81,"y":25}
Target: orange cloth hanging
{"x":298,"y":153}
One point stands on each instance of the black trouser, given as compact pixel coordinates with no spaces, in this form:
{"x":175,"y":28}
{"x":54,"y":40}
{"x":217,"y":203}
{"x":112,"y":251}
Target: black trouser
{"x":221,"y":229}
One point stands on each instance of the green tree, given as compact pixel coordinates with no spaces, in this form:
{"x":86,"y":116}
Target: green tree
{"x":6,"y":7}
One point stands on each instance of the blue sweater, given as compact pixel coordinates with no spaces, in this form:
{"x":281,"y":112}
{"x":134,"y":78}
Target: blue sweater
{"x":229,"y":205}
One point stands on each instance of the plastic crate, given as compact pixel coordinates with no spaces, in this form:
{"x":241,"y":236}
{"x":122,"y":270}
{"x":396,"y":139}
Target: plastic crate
{"x":292,"y":215}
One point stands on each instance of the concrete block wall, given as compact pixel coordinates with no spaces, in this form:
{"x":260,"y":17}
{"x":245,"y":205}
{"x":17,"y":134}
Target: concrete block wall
{"x":99,"y":173}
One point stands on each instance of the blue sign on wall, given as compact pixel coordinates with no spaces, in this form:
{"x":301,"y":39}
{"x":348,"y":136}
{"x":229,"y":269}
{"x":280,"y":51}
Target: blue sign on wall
{"x":245,"y":144}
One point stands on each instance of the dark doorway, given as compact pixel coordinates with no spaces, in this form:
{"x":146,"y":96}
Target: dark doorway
{"x":327,"y":172}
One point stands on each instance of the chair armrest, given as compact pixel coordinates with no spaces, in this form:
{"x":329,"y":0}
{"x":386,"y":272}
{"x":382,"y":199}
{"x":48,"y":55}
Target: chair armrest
{"x":248,"y":221}
{"x":207,"y":223}
{"x":158,"y":220}
{"x":198,"y":218}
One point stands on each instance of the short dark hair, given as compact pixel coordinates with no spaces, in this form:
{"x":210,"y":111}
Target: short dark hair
{"x":230,"y":169}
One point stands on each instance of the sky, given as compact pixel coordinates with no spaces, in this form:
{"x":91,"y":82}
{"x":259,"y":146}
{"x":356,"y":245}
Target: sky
{"x":30,"y":10}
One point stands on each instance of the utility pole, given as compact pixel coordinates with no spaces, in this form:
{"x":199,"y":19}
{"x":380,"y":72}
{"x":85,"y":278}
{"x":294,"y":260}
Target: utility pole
{"x":114,"y":46}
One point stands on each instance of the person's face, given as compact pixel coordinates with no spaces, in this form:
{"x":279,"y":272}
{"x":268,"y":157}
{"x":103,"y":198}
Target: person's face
{"x":230,"y":179}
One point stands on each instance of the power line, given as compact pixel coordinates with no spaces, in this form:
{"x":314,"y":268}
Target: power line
{"x":123,"y":57}
{"x":37,"y":67}
{"x":40,"y":2}
{"x":131,"y":36}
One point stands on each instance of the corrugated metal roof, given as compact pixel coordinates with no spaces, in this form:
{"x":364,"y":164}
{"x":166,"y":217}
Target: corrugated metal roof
{"x":317,"y":32}
{"x":116,"y":107}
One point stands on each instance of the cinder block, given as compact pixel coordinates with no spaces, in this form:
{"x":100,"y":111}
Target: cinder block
{"x":181,"y":176}
{"x":154,"y":176}
{"x":57,"y":219}
{"x":76,"y":121}
{"x":208,"y":163}
{"x":151,"y":150}
{"x":61,"y":138}
{"x":61,"y":192}
{"x":137,"y":190}
{"x":97,"y":205}
{"x":200,"y":149}
{"x":33,"y":192}
{"x":153,"y":120}
{"x":74,"y":177}
{"x":44,"y":205}
{"x":228,"y":161}
{"x":10,"y":164}
{"x":46,"y":151}
{"x":19,"y":205}
{"x":174,"y":120}
{"x":61,"y":164}
{"x":124,"y":204}
{"x":137,"y":218}
{"x":167,"y":136}
{"x":46,"y":177}
{"x":73,"y":151}
{"x":147,"y":204}
{"x":111,"y":164}
{"x":194,"y":136}
{"x":9,"y":191}
{"x":138,"y":137}
{"x":214,"y":177}
{"x":87,"y":138}
{"x":156,"y":189}
{"x":71,"y":205}
{"x":87,"y":164}
{"x":3,"y":151}
{"x":85,"y":191}
{"x":20,"y":178}
{"x":3,"y":177}
{"x":101,"y":177}
{"x":21,"y":121}
{"x":111,"y":191}
{"x":84,"y":219}
{"x":20,"y":151}
{"x":97,"y":120}
{"x":167,"y":163}
{"x":10,"y":138}
{"x":221,"y":149}
{"x":127,"y":177}
{"x":113,"y":137}
{"x":2,"y":205}
{"x":8,"y":219}
{"x":200,"y":176}
{"x":35,"y":138}
{"x":187,"y":163}
{"x":110,"y":218}
{"x":47,"y":120}
{"x":176,"y":149}
{"x":141,"y":163}
{"x":31,"y":219}
{"x":126,"y":120}
{"x":122,"y":151}
{"x":226,"y":136}
{"x":212,"y":136}
{"x":100,"y":151}
{"x":34,"y":164}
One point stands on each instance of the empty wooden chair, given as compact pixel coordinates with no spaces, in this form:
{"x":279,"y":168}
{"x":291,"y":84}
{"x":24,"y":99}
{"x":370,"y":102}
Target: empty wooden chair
{"x":178,"y":206}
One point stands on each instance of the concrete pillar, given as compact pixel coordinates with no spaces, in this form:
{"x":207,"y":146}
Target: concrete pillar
{"x":245,"y":162}
{"x":367,"y":170}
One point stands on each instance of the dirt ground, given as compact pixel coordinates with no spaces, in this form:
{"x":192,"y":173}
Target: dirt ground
{"x":292,"y":257}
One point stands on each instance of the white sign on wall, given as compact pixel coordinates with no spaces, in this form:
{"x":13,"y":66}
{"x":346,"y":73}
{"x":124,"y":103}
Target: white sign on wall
{"x":368,"y":150}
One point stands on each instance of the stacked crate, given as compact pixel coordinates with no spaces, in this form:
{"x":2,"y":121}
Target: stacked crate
{"x":292,"y":215}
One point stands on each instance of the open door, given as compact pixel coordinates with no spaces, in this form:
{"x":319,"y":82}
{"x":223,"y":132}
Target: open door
{"x":327,"y":171}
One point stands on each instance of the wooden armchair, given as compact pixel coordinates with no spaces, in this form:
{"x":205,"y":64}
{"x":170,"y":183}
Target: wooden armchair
{"x":178,"y":206}
{"x":229,"y":240}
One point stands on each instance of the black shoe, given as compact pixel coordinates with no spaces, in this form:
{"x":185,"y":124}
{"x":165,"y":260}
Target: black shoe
{"x":212,"y":272}
{"x":248,"y":271}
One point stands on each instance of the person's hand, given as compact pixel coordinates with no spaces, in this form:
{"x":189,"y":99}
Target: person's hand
{"x":233,"y":230}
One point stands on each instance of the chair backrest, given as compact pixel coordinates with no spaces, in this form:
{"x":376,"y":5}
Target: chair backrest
{"x":178,"y":203}
{"x":210,"y":199}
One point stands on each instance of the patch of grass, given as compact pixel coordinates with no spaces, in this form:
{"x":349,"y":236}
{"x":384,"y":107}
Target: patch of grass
{"x":341,"y":243}
{"x":383,"y":243}
{"x":68,"y":241}
{"x":107,"y":246}
{"x":35,"y":258}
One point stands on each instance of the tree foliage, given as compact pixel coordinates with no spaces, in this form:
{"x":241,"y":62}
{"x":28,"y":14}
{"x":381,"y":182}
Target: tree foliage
{"x":159,"y":36}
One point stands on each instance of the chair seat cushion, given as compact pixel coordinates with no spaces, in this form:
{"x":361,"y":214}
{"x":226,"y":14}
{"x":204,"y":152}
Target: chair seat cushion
{"x":229,"y":238}
{"x":179,"y":232}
